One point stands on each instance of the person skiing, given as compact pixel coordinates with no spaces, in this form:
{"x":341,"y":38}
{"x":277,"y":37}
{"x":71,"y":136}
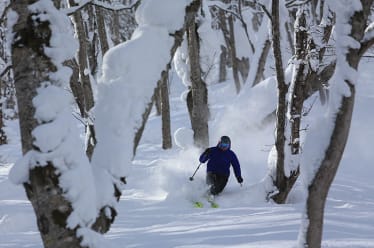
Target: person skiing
{"x":219,"y":160}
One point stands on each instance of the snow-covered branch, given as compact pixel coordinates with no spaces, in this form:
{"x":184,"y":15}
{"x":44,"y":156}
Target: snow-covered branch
{"x":107,"y":6}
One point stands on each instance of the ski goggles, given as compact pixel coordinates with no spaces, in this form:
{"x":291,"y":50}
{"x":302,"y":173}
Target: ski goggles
{"x":224,"y":145}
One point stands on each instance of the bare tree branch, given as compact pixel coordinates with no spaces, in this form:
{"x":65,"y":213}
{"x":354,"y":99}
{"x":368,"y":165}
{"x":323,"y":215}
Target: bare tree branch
{"x":241,"y":19}
{"x":263,"y":7}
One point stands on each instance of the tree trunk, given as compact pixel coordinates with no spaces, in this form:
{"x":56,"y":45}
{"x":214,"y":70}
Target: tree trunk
{"x":259,"y":61}
{"x":243,"y":68}
{"x":165,"y":112}
{"x":3,"y":71}
{"x":101,"y":30}
{"x":145,"y":116}
{"x":295,"y":108}
{"x":234,"y":62}
{"x":200,"y":111}
{"x":31,"y":68}
{"x":75,"y":85}
{"x":222,"y":64}
{"x":116,"y":35}
{"x":229,"y":37}
{"x":280,"y":180}
{"x":3,"y":137}
{"x":262,"y":62}
{"x":158,"y":103}
{"x":84,"y":70}
{"x":320,"y":185}
{"x":226,"y":35}
{"x":298,"y":86}
{"x":93,"y":39}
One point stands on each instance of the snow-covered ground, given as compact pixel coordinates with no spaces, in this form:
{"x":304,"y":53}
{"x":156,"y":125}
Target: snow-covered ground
{"x":156,"y":207}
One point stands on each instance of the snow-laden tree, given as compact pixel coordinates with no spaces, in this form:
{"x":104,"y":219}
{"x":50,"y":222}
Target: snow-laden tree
{"x":7,"y":106}
{"x":311,"y":70}
{"x":326,"y":141}
{"x":53,"y":157}
{"x":73,"y":200}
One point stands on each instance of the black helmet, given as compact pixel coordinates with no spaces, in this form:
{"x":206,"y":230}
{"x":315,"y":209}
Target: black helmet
{"x":224,"y":143}
{"x":225,"y":140}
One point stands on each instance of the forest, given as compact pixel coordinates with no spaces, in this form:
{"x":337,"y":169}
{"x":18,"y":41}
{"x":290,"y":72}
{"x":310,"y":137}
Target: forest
{"x":83,"y":82}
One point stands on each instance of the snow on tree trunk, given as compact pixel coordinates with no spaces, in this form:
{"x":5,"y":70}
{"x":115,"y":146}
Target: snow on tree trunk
{"x":328,"y":153}
{"x":53,"y":164}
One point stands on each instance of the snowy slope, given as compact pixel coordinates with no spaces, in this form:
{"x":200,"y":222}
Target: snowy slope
{"x":156,"y":210}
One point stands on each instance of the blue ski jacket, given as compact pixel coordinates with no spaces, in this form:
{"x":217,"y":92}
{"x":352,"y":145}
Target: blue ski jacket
{"x":219,"y":161}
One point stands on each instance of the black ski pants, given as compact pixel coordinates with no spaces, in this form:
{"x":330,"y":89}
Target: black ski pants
{"x":217,"y":182}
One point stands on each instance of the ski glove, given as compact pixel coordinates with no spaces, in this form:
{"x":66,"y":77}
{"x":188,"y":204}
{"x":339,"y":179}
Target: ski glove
{"x":240,"y":179}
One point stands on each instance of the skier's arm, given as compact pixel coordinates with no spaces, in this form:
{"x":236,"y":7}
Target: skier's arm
{"x":205,"y":156}
{"x":236,"y":165}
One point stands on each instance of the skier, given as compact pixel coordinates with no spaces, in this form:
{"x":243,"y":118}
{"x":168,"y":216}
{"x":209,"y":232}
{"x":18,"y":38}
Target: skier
{"x":219,"y":160}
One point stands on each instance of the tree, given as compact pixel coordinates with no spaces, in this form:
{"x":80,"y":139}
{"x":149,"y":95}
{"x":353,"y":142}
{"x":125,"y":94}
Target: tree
{"x":227,"y":18}
{"x":310,"y":73}
{"x":84,"y":77}
{"x":199,"y":92}
{"x":48,"y":135}
{"x":165,"y":111}
{"x":93,"y":44}
{"x":280,"y":180}
{"x":32,"y":67}
{"x":6,"y":91}
{"x":355,"y":14}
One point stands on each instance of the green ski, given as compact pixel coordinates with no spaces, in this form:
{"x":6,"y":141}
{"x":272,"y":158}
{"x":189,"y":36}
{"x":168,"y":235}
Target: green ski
{"x":198,"y":204}
{"x":214,"y":205}
{"x":210,"y":199}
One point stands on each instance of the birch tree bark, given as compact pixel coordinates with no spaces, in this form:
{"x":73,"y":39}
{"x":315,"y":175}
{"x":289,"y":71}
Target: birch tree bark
{"x":32,"y":67}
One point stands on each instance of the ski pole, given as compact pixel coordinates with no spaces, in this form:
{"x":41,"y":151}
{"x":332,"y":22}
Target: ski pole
{"x":191,"y":178}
